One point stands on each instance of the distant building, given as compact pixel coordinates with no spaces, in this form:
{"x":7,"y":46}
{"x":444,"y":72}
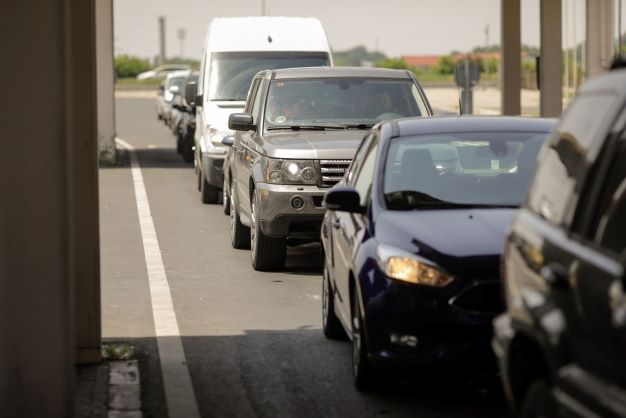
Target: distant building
{"x":424,"y":62}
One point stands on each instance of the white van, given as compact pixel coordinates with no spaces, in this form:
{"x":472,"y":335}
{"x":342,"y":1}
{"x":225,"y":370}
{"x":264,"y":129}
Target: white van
{"x":235,"y":49}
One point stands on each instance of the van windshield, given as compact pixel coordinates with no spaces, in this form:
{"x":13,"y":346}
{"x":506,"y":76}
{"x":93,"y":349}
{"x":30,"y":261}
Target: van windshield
{"x":232,"y":72}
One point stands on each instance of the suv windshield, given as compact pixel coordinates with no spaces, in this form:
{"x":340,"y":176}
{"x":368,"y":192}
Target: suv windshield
{"x":232,"y":72}
{"x":477,"y":169}
{"x":345,"y":101}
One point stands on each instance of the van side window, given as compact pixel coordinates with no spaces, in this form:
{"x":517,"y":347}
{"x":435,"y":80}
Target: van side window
{"x":564,"y":164}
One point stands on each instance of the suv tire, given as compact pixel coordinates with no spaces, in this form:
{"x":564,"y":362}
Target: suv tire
{"x":537,"y":401}
{"x":268,"y":253}
{"x":208,"y":193}
{"x":239,"y":233}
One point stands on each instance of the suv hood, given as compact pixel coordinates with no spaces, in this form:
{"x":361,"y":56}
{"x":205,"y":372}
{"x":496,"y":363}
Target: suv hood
{"x":313,"y":145}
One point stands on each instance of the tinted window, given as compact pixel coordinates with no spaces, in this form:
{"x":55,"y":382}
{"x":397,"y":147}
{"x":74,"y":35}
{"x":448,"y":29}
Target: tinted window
{"x":358,"y":158}
{"x":611,"y":208}
{"x":469,"y":168}
{"x":341,"y":100}
{"x":365,"y":175}
{"x":565,"y":162}
{"x":232,"y":72}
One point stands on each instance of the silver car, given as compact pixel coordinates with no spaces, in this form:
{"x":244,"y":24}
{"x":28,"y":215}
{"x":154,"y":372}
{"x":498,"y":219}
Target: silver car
{"x":297,"y":137}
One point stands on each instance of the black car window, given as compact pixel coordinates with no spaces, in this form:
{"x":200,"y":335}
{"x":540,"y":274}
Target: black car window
{"x":564,"y":164}
{"x":365,"y":175}
{"x":609,"y":223}
{"x":358,"y":158}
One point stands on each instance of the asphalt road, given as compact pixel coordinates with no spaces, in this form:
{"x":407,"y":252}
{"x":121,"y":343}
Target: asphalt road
{"x":252,"y":340}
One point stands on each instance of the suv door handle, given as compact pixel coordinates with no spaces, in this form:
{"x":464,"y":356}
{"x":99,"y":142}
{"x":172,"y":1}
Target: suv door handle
{"x":556,"y":276}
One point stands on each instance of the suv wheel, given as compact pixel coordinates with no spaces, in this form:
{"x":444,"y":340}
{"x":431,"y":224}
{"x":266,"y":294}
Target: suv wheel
{"x":239,"y":233}
{"x":537,"y":401}
{"x":208,"y":193}
{"x":363,"y":373}
{"x":330,"y":323}
{"x":187,"y":148}
{"x":268,"y":253}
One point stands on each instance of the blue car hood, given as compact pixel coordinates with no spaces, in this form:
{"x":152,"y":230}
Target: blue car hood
{"x":464,"y":241}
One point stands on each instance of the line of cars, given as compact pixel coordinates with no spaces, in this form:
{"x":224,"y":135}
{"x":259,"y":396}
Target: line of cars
{"x":412,"y":212}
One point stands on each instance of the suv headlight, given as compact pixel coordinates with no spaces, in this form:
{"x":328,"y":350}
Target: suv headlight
{"x":406,"y":267}
{"x":278,"y":171}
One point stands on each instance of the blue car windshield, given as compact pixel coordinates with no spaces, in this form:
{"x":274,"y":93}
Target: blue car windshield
{"x":341,"y":101}
{"x":232,"y":72}
{"x":490,"y":169}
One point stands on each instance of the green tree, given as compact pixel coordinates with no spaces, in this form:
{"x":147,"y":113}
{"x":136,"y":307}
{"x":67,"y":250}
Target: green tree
{"x":445,"y":65}
{"x":129,"y":66}
{"x":395,"y":63}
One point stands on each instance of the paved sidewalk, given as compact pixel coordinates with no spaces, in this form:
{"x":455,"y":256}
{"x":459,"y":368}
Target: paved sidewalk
{"x":91,"y":391}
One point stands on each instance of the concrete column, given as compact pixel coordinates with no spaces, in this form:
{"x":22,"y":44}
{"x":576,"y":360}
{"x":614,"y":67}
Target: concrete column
{"x":106,"y":81}
{"x":85,"y":237}
{"x":599,"y":42}
{"x":551,"y":60}
{"x":511,"y":66}
{"x":36,"y":322}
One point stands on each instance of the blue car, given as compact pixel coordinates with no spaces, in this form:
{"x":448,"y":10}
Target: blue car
{"x":413,"y":235}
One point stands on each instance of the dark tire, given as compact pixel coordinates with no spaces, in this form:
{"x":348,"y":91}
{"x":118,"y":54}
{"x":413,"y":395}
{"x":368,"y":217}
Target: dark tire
{"x":330,"y":323}
{"x":179,"y":144}
{"x":199,"y":177}
{"x":268,"y":253}
{"x":239,"y":233}
{"x":187,"y":149}
{"x":226,"y":198}
{"x":537,"y":402}
{"x":208,"y":193}
{"x":363,"y":374}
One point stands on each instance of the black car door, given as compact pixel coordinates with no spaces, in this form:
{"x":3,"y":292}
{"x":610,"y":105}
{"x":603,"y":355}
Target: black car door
{"x":348,"y":228}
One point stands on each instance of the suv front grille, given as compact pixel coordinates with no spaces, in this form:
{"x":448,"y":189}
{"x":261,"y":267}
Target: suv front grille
{"x":333,"y":171}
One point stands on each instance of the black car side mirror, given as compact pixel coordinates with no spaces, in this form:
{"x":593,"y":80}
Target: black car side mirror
{"x":228,"y":140}
{"x":198,"y":100}
{"x":241,"y":122}
{"x":344,"y":199}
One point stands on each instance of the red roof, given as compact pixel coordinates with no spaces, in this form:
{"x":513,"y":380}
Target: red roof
{"x":423,"y":61}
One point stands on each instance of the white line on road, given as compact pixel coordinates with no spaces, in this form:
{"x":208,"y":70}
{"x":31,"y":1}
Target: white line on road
{"x":179,"y":394}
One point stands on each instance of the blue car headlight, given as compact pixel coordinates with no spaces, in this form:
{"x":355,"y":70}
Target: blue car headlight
{"x":401,"y":265}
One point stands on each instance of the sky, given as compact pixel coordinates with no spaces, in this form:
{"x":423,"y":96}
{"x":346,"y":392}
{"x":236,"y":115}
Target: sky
{"x":395,"y":27}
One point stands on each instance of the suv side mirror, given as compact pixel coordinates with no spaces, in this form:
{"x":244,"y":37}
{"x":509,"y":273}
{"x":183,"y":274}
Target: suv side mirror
{"x":190,"y":93}
{"x":343,"y":199}
{"x":241,"y":122}
{"x":198,"y":100}
{"x":175,"y":90}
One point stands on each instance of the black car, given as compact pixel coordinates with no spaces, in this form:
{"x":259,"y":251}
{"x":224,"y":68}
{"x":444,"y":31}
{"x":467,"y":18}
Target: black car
{"x":413,"y":235}
{"x":184,"y":117}
{"x":562,"y":342}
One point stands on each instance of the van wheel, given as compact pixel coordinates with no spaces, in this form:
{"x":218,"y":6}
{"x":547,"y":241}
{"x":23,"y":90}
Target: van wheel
{"x":538,"y":401}
{"x":268,"y":253}
{"x":179,"y":145}
{"x":239,"y":233}
{"x":363,"y":373}
{"x":208,"y":193}
{"x":330,"y":323}
{"x":187,"y":149}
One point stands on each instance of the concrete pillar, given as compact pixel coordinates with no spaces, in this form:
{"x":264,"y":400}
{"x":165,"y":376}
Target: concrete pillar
{"x":551,"y":60}
{"x":85,"y":237}
{"x":36,"y":322}
{"x":106,"y":81}
{"x":599,"y":42}
{"x":511,"y":66}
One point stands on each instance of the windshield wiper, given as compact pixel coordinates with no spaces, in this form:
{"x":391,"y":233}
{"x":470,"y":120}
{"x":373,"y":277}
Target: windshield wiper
{"x":359,"y":125}
{"x":307,"y":127}
{"x":412,"y":199}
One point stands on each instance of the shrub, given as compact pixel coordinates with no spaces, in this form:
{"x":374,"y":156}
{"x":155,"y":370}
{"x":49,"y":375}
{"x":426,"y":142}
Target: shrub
{"x":129,"y":66}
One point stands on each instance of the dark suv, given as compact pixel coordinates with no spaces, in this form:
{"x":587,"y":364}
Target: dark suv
{"x":562,"y":342}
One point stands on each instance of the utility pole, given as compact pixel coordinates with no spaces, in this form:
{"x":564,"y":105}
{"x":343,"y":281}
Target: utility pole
{"x":181,"y":37}
{"x":161,"y":40}
{"x":487,"y":27}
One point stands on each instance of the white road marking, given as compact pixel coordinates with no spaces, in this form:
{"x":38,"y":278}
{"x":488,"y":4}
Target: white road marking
{"x":179,"y":394}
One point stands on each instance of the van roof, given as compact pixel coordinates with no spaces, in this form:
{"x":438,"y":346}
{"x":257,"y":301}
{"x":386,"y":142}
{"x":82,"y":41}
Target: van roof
{"x":265,"y":33}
